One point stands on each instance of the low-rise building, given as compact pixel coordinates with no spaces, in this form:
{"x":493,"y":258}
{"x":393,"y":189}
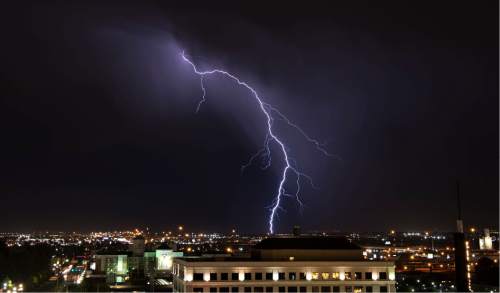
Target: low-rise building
{"x":137,"y":262}
{"x":298,"y":264}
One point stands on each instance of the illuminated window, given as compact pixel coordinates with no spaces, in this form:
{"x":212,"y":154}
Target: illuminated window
{"x":292,"y":277}
{"x":336,"y":275}
{"x":325,"y":276}
{"x":358,"y":289}
{"x":348,"y":276}
{"x":315,"y":276}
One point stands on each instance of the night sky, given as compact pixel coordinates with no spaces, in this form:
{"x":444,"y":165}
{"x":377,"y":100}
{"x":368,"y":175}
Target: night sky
{"x":99,"y":130}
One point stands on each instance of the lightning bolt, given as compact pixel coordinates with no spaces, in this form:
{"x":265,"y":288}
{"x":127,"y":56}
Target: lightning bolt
{"x":271,"y":113}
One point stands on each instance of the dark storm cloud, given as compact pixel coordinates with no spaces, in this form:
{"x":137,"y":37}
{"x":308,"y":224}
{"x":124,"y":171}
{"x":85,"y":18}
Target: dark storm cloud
{"x":99,"y":129}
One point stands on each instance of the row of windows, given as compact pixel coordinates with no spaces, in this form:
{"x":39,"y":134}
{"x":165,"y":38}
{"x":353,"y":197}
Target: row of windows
{"x":355,"y":289}
{"x":291,"y":276}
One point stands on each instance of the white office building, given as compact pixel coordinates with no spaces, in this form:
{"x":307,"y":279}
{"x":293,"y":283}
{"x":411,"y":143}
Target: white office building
{"x":298,"y":264}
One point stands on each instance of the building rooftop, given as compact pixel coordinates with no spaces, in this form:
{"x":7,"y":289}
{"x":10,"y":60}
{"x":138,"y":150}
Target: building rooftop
{"x":164,"y":246}
{"x":113,"y":252}
{"x":295,"y":249}
{"x":317,"y":243}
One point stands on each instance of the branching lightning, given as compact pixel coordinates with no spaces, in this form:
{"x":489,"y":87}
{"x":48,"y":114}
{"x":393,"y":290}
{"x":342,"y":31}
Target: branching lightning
{"x":271,"y":113}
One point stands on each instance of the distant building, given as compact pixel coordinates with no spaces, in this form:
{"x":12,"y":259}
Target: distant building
{"x":298,"y":264}
{"x":137,"y":262}
{"x":486,"y":242}
{"x":113,"y":265}
{"x":165,"y":256}
{"x":296,"y":230}
{"x":138,"y":245}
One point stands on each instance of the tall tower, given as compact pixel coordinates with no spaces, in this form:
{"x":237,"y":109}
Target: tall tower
{"x":460,"y":252}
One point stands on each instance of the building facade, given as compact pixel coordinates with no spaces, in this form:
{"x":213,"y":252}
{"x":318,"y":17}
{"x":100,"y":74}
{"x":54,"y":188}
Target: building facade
{"x":113,"y":265}
{"x":302,"y":265}
{"x":119,"y":266}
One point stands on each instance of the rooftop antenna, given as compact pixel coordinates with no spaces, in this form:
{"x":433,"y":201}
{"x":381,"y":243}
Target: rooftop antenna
{"x":460,"y":224}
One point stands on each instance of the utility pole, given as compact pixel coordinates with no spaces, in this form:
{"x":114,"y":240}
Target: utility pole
{"x":460,"y":253}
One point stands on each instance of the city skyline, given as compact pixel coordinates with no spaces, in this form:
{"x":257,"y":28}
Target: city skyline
{"x":101,"y":128}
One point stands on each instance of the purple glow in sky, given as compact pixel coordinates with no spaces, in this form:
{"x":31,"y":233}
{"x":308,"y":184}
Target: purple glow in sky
{"x":268,"y":112}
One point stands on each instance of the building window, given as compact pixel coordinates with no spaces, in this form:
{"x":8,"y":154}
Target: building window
{"x":315,"y":276}
{"x":325,"y":276}
{"x":197,"y":289}
{"x":336,"y":276}
{"x":269,"y":289}
{"x":248,"y":276}
{"x":292,"y":277}
{"x":315,"y":289}
{"x":302,"y":289}
{"x":234,"y":276}
{"x":302,"y":276}
{"x":383,"y":288}
{"x":369,"y":289}
{"x":348,"y":288}
{"x":281,"y":276}
{"x":281,"y":289}
{"x":358,"y":289}
{"x":336,"y":289}
{"x":213,"y":289}
{"x":223,"y":276}
{"x":258,"y":289}
{"x":269,"y":276}
{"x":258,"y":276}
{"x":382,"y":276}
{"x":198,"y":277}
{"x":224,"y":289}
{"x":348,"y":275}
{"x":234,"y":289}
{"x":368,"y":275}
{"x":358,"y":276}
{"x":213,"y":276}
{"x":325,"y":289}
{"x":247,"y":289}
{"x":292,"y":289}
